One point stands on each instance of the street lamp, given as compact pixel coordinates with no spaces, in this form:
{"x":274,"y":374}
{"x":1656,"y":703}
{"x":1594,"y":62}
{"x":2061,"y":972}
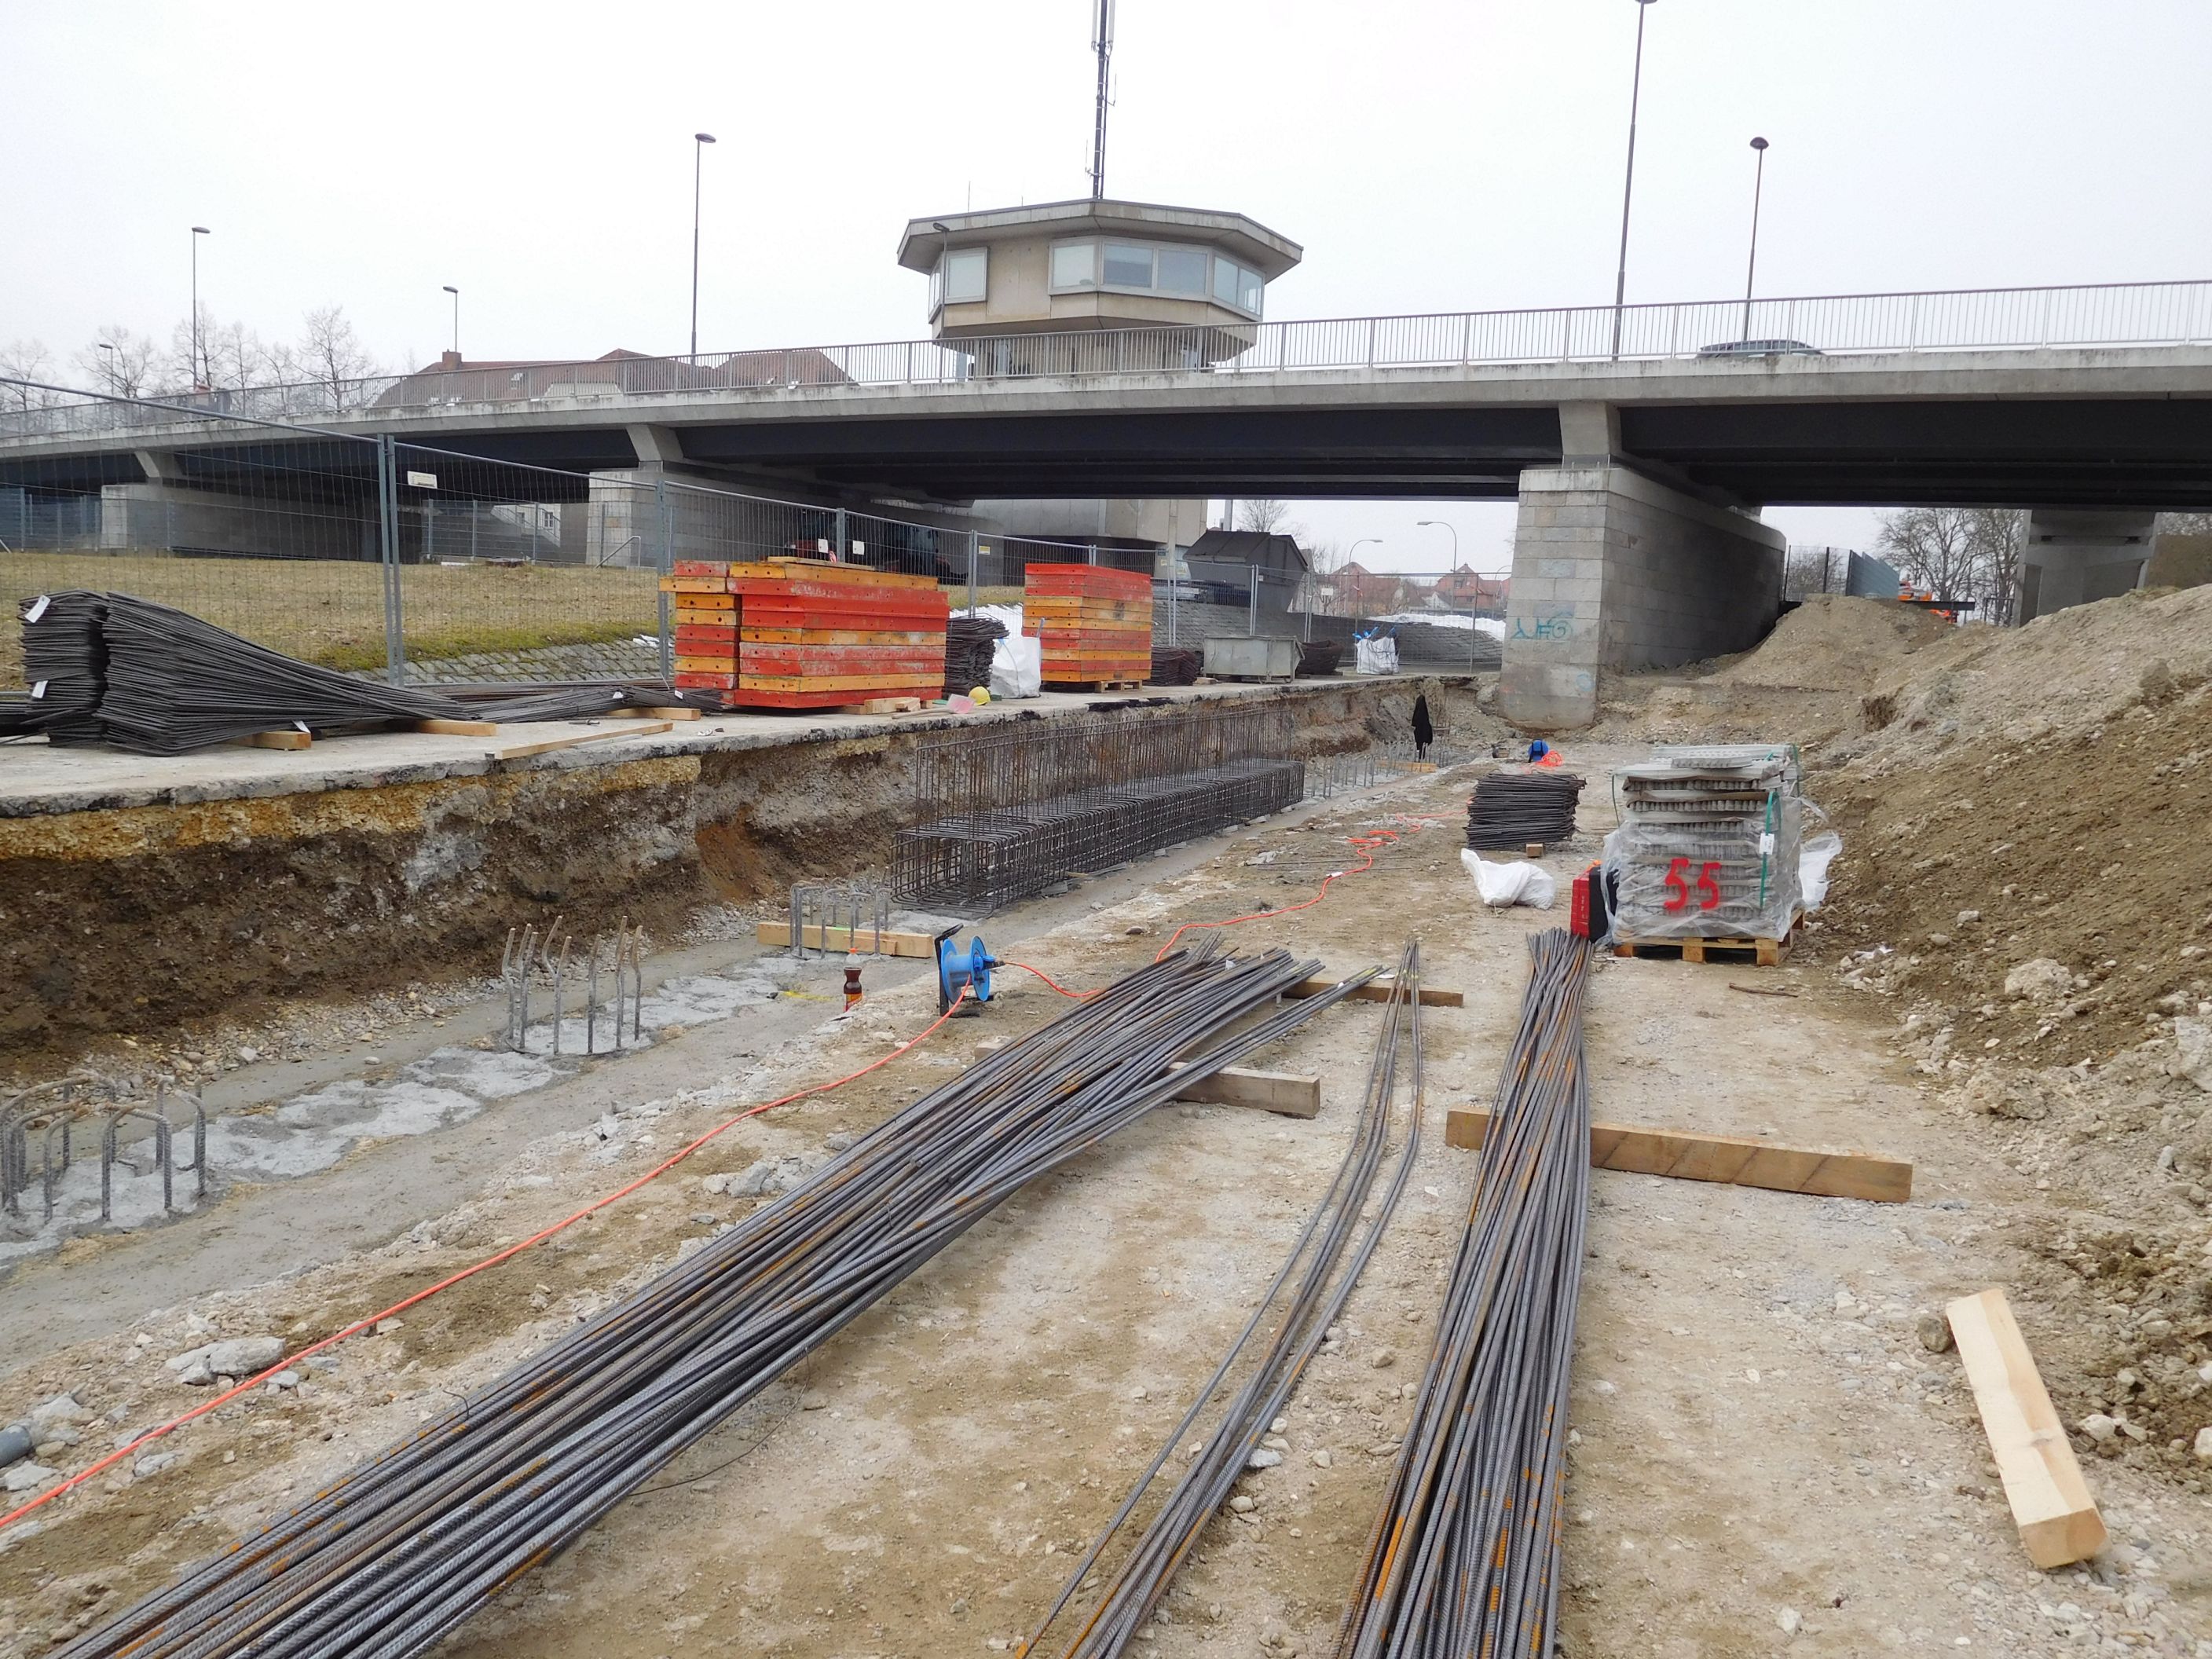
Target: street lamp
{"x":1628,"y":185}
{"x":199,"y":359}
{"x":456,"y":292}
{"x":107,"y":366}
{"x":1758,"y":184}
{"x":699,"y":143}
{"x":1438,"y":524}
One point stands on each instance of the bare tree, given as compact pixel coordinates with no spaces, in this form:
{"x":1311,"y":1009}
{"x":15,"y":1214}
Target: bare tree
{"x":26,"y":360}
{"x":1960,"y":552}
{"x":2000,"y":536}
{"x":331,"y":355}
{"x":121,"y":362}
{"x":1263,"y":514}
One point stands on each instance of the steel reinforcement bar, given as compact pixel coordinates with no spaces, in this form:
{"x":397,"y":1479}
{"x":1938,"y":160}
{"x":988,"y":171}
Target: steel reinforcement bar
{"x":392,"y":1556}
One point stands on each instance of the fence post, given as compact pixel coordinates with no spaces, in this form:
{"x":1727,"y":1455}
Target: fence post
{"x":840,"y":543}
{"x":1252,"y":613}
{"x":388,"y":525}
{"x":1091,"y":554}
{"x":665,"y":560}
{"x":972,"y":542}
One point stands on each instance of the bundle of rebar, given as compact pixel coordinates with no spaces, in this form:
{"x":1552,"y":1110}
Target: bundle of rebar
{"x":1173,"y":665}
{"x":1002,"y":815}
{"x":388,"y":1558}
{"x":1516,"y":804}
{"x":1318,"y":659}
{"x":65,"y":661}
{"x":1325,"y":1262}
{"x":1464,"y":1556}
{"x":969,"y":644}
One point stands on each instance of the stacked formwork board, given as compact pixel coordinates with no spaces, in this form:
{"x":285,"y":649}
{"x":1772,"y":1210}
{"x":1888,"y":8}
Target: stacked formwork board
{"x":806,"y":634}
{"x":1095,"y":623}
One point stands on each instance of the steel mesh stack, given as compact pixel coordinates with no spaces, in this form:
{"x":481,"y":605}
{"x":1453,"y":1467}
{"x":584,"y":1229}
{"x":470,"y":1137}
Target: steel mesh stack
{"x":1003,"y":814}
{"x":1174,"y":665}
{"x":1464,"y":1557}
{"x":1708,"y":844}
{"x":1516,"y":804}
{"x":393,"y":1555}
{"x":969,"y":645}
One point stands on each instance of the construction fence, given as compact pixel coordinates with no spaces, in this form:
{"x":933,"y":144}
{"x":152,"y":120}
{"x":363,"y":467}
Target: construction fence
{"x":373,"y":555}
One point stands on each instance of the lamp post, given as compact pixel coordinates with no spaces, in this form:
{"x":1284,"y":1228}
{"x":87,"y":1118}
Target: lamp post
{"x":1758,"y":184}
{"x":699,"y":143}
{"x":107,"y":366}
{"x":1438,"y":524}
{"x":456,"y":292}
{"x":1628,"y":185}
{"x":199,"y":359}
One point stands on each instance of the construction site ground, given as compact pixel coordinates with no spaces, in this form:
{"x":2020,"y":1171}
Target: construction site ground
{"x":1770,"y":1457}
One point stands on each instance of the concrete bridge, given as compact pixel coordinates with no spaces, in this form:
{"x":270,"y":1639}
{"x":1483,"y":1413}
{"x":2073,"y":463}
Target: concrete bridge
{"x":1639,"y":472}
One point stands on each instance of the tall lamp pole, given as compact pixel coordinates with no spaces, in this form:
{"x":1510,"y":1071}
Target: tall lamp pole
{"x":1628,"y":186}
{"x":456,"y":292}
{"x":1438,"y":524}
{"x":1758,"y":184}
{"x":199,"y":358}
{"x":699,"y":143}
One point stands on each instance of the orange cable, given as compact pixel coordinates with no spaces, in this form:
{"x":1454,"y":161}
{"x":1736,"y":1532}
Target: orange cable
{"x":360,"y":1325}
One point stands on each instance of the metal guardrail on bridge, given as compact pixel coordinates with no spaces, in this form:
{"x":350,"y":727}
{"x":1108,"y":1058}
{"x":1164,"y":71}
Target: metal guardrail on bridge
{"x":2111,"y":314}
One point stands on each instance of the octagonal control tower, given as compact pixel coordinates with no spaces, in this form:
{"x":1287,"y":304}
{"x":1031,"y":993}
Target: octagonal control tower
{"x":1033,"y":285}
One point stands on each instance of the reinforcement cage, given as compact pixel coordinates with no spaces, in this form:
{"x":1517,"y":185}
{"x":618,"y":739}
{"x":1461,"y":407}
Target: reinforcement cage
{"x":1005,"y":815}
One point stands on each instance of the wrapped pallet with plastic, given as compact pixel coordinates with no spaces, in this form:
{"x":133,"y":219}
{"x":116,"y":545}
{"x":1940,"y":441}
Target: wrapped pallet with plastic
{"x":1708,"y":844}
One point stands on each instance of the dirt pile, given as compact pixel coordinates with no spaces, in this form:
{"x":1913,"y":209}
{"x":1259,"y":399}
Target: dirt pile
{"x":2036,"y":797}
{"x":1830,"y":643}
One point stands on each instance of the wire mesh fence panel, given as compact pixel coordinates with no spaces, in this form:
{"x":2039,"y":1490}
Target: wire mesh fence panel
{"x":273,"y":535}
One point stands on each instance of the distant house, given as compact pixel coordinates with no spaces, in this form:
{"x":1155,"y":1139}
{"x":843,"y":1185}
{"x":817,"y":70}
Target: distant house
{"x":1469,"y":589}
{"x":453,"y":379}
{"x":1356,"y":590}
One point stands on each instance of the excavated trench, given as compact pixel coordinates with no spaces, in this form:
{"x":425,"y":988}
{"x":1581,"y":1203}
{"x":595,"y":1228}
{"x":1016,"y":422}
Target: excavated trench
{"x":134,"y":918}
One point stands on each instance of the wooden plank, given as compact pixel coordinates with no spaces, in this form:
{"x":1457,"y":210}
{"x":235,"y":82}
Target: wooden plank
{"x":546,"y":746}
{"x":1286,"y":1093}
{"x":1378,"y":990}
{"x":1689,"y":1155}
{"x":888,"y":706}
{"x":682,"y":711}
{"x":895,"y":944}
{"x":2051,"y":1503}
{"x":459,"y":728}
{"x":273,"y":740}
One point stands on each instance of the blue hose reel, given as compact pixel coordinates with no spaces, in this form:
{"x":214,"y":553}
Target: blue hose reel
{"x":959,"y":970}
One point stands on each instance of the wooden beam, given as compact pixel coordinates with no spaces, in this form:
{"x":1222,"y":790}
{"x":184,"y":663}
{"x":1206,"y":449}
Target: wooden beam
{"x":895,"y":944}
{"x":682,"y":711}
{"x":2051,"y":1503}
{"x":274,"y":740}
{"x":521,"y":751}
{"x":1692,"y":1156}
{"x":1285,"y":1093}
{"x":1378,"y":990}
{"x":459,"y":728}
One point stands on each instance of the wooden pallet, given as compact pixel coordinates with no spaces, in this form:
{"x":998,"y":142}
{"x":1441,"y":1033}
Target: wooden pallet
{"x":1738,"y":952}
{"x":1091,"y":686}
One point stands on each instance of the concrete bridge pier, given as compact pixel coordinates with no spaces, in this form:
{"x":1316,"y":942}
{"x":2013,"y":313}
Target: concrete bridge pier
{"x":1613,"y":570}
{"x":2078,"y":557}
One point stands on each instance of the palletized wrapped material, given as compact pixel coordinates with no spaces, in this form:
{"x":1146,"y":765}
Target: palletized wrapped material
{"x":1708,"y":844}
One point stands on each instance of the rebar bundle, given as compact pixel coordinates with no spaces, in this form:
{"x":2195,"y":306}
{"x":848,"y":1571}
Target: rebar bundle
{"x":65,"y":660}
{"x":1325,"y":1262}
{"x":969,"y":644}
{"x":1464,"y":1556}
{"x":1174,"y":665}
{"x":1518,"y":805}
{"x":389,"y":1557}
{"x":1002,"y":815}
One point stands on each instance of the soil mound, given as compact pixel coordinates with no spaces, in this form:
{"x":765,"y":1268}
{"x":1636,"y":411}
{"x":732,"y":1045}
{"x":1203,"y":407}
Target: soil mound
{"x":1831,"y":643}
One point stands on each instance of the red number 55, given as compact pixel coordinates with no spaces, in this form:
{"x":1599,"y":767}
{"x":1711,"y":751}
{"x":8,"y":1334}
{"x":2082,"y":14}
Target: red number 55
{"x":1678,"y":886}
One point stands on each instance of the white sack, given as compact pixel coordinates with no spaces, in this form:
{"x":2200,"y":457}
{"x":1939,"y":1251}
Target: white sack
{"x":1517,"y":883}
{"x":1815,"y":855}
{"x":1375,"y":656}
{"x":1017,"y":666}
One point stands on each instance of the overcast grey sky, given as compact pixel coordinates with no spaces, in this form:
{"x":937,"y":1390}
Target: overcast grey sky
{"x":1431,"y":154}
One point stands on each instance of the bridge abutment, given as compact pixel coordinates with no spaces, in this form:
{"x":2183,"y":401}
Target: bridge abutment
{"x":2075,"y":557}
{"x":1613,"y":571}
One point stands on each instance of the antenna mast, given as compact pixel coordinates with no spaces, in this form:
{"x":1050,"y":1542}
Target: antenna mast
{"x":1102,"y":44}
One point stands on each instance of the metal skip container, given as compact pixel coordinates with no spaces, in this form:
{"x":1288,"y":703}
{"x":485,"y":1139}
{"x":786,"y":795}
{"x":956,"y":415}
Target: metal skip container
{"x":1252,"y":659}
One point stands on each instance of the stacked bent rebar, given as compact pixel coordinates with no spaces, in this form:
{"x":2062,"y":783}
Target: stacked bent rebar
{"x":395,"y":1554}
{"x":1514,"y":805}
{"x":65,"y":661}
{"x":1464,"y":1557}
{"x":1173,"y":665}
{"x":970,"y":642}
{"x":1299,"y":1307}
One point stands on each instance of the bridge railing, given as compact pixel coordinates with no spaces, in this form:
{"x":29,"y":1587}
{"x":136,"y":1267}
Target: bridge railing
{"x":2111,"y":314}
